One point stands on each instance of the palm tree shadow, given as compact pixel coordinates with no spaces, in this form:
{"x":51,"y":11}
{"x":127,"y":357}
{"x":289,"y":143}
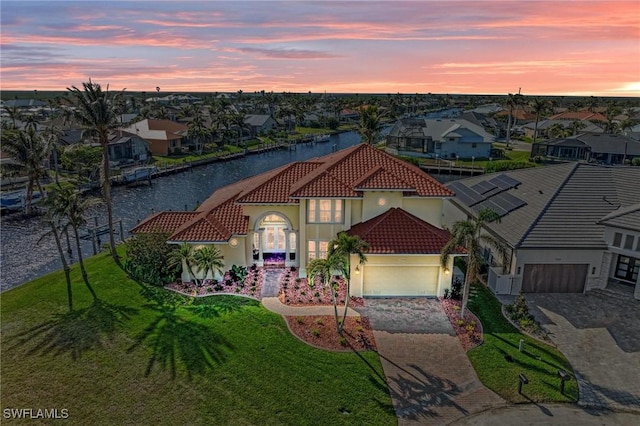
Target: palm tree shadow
{"x":75,"y":332}
{"x":179,"y":343}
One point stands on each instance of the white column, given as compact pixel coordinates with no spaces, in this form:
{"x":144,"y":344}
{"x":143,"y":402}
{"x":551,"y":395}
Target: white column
{"x":286,"y":247}
{"x":260,"y":236}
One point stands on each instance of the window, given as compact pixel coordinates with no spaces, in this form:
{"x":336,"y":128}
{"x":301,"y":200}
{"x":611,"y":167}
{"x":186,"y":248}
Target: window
{"x":627,"y":268}
{"x":638,"y":244}
{"x":317,"y":249}
{"x":474,"y":145}
{"x":617,"y":239}
{"x":628,"y":242}
{"x":324,"y":211}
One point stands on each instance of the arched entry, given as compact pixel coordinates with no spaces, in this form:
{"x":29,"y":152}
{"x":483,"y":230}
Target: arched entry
{"x":274,"y":241}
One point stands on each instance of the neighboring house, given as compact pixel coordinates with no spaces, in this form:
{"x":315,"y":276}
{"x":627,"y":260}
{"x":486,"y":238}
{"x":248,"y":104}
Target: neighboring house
{"x":489,"y":124}
{"x":605,"y":148}
{"x":579,"y":116}
{"x":260,"y":123}
{"x":545,"y":125}
{"x":488,"y":109}
{"x":634,"y":132}
{"x":127,"y":148}
{"x":444,"y":138}
{"x":553,"y":222}
{"x":165,"y":137}
{"x":622,"y":234}
{"x":24,"y":103}
{"x":288,"y":216}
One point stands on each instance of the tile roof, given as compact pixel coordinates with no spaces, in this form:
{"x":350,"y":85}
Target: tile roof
{"x":163,"y":222}
{"x":343,"y":174}
{"x":625,"y":218}
{"x":399,"y":232}
{"x":579,"y":115}
{"x":564,"y":204}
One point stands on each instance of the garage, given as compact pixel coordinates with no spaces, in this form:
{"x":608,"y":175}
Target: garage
{"x":394,"y":280}
{"x":554,"y":278}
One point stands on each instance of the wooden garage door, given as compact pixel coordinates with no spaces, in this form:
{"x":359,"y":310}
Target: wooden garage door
{"x":400,"y":281}
{"x":554,"y":278}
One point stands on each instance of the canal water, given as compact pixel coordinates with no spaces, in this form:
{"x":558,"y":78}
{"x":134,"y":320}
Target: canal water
{"x":27,"y":255}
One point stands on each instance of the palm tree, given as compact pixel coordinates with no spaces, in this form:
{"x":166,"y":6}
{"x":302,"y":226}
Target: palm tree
{"x":513,"y":101}
{"x":97,"y":111}
{"x":323,"y":269}
{"x":68,"y":203}
{"x":14,"y":114}
{"x":53,"y":134}
{"x":184,"y":257}
{"x":208,"y":259}
{"x":57,"y":226}
{"x":539,"y":107}
{"x":340,"y":249}
{"x":467,"y":234}
{"x":30,"y":150}
{"x":197,"y":131}
{"x":369,"y":123}
{"x":238,"y":118}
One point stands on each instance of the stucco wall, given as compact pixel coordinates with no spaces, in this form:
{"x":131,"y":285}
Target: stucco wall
{"x":427,"y":209}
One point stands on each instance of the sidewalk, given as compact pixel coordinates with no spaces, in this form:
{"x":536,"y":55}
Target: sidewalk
{"x":275,"y":305}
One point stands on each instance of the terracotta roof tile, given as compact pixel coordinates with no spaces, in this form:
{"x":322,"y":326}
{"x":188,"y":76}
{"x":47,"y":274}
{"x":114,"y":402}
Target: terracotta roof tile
{"x":339,"y":175}
{"x":163,"y":222}
{"x":399,"y":232}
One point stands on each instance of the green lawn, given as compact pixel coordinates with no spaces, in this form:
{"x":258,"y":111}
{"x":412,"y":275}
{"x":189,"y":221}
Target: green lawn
{"x":152,"y":357}
{"x":539,"y":362}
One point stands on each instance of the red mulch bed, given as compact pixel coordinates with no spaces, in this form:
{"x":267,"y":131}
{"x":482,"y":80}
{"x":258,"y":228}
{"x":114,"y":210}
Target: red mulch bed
{"x":320,"y":331}
{"x":469,"y":330}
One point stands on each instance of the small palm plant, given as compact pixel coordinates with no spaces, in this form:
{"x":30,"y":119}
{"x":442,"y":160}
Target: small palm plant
{"x":208,"y":259}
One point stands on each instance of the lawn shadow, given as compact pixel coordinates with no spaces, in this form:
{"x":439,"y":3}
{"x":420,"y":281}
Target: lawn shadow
{"x":75,"y":332}
{"x":175,"y":340}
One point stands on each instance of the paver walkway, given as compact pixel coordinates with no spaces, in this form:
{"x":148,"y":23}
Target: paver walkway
{"x":430,"y":377}
{"x":601,"y":339}
{"x":271,"y":283}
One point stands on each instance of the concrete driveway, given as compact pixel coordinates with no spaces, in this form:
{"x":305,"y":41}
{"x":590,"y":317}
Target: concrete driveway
{"x":601,"y":338}
{"x":430,"y":378}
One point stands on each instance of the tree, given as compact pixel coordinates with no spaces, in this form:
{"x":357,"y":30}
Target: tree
{"x":197,"y":130}
{"x":467,"y":234}
{"x":369,"y":123}
{"x":323,"y":269}
{"x":238,"y":119}
{"x":68,"y":204}
{"x":208,"y":259}
{"x":97,"y":111}
{"x":57,"y":225}
{"x":540,"y":107}
{"x":340,"y":249}
{"x":513,"y":101}
{"x":184,"y":258}
{"x":29,"y":150}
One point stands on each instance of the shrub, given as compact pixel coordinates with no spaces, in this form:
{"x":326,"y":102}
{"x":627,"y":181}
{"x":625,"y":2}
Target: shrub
{"x":343,"y":341}
{"x":238,"y":273}
{"x":148,"y":258}
{"x":315,"y":332}
{"x":446,"y":293}
{"x":300,"y":320}
{"x":635,"y":161}
{"x":319,"y":321}
{"x":456,"y":289}
{"x":504,"y":165}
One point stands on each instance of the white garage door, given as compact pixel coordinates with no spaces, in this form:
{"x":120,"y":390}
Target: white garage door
{"x":400,"y":280}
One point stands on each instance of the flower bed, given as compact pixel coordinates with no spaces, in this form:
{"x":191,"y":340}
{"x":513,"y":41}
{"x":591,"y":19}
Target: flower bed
{"x":320,"y":331}
{"x":469,"y":329}
{"x":251,"y":286}
{"x":296,"y":291}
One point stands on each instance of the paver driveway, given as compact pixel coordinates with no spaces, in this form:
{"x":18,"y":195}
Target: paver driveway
{"x":600,"y":337}
{"x":430,"y":378}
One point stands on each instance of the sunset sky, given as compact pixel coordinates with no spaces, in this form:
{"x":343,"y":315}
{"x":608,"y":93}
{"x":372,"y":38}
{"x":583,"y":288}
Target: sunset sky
{"x":492,"y":47}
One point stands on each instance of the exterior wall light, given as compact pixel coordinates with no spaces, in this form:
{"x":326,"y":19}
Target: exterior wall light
{"x":446,"y":271}
{"x":233,"y":242}
{"x":357,"y":269}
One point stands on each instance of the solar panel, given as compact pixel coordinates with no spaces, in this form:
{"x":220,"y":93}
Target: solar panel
{"x":488,"y":204}
{"x":508,"y":201}
{"x":483,"y":187}
{"x":504,"y":182}
{"x":465,"y":194}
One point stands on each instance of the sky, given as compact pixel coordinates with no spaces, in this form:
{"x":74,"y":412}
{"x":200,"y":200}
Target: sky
{"x":581,"y":48}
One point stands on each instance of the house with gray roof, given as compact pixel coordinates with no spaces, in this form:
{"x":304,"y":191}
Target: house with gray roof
{"x":605,"y":148}
{"x":559,"y":223}
{"x":438,"y":138}
{"x":260,"y":123}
